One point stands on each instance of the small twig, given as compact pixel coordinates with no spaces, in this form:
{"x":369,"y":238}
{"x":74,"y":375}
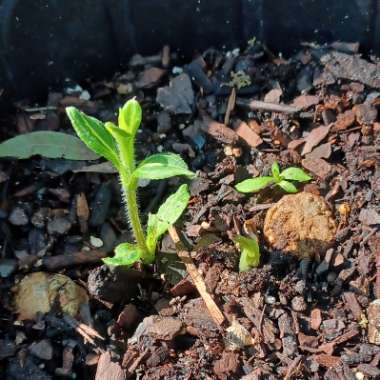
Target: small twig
{"x":261,"y":321}
{"x":87,"y":332}
{"x":40,"y":109}
{"x":261,"y":207}
{"x":132,"y":368}
{"x":230,"y":106}
{"x":258,"y":105}
{"x":212,"y":307}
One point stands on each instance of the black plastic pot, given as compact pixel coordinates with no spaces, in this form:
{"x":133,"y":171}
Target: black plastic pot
{"x":44,"y":41}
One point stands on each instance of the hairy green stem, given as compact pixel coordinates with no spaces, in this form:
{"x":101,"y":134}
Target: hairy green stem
{"x":130,"y":197}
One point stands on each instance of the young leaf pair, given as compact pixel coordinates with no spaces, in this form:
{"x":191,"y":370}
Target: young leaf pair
{"x":249,"y":252}
{"x":117,"y":145}
{"x":282,"y":179}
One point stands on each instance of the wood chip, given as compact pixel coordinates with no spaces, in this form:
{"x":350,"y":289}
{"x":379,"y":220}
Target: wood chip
{"x":305,"y":101}
{"x":327,"y":361}
{"x":273,"y":96}
{"x":108,"y":369}
{"x":150,"y":77}
{"x":353,"y":305}
{"x":83,"y":212}
{"x":373,"y":313}
{"x":344,"y":121}
{"x":227,"y":365}
{"x":322,"y":151}
{"x":314,"y":138}
{"x":248,"y":134}
{"x":219,"y":131}
{"x":315,"y":319}
{"x":318,"y":167}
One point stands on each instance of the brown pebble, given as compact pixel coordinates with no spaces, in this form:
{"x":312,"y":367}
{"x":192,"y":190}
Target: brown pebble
{"x":299,"y":304}
{"x":301,"y":224}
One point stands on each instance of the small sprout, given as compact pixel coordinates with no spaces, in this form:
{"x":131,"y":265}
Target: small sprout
{"x":250,"y":252}
{"x":282,"y":179}
{"x":252,"y":41}
{"x":117,"y":145}
{"x":363,"y":323}
{"x":239,"y":80}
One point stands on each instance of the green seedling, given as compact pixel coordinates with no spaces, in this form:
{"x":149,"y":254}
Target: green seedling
{"x":249,"y":252}
{"x":240,"y":80}
{"x":117,"y":145}
{"x":282,"y":179}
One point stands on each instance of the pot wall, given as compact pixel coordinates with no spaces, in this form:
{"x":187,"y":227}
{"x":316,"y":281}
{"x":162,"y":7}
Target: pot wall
{"x":44,"y":41}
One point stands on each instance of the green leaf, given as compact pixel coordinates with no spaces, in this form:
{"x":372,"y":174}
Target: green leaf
{"x":93,"y":133}
{"x":166,"y":216}
{"x":47,"y":144}
{"x":250,"y":252}
{"x":130,"y":116}
{"x":119,"y":134}
{"x":253,"y":185}
{"x":276,"y":171}
{"x":287,"y":186}
{"x":295,"y":174}
{"x":125,"y":254}
{"x":162,"y":165}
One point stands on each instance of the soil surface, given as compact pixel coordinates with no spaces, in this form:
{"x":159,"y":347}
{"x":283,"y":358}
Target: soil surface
{"x":230,"y":115}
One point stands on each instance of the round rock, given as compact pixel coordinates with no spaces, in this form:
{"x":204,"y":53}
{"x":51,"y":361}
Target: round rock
{"x":301,"y":224}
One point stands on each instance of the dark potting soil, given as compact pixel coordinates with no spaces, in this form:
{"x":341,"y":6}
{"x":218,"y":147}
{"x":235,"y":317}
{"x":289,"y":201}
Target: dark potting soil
{"x":230,"y":116}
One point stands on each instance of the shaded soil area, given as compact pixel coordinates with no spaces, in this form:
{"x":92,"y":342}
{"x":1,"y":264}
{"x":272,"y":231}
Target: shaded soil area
{"x":230,"y":115}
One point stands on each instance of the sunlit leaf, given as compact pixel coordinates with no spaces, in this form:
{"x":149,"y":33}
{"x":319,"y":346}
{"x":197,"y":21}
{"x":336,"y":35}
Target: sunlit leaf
{"x":94,"y":134}
{"x":287,"y":186}
{"x":167,"y":215}
{"x":250,"y":252}
{"x":162,"y":165}
{"x":119,"y":134}
{"x":125,"y":254}
{"x":295,"y":174}
{"x":253,"y":185}
{"x":130,"y":116}
{"x":276,"y":171}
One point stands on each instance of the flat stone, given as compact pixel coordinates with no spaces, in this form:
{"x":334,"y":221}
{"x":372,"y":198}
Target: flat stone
{"x":7,"y":267}
{"x":7,"y":348}
{"x":178,"y":97}
{"x":156,"y":327}
{"x":42,"y":350}
{"x":18,"y":217}
{"x":58,"y":226}
{"x":164,"y":123}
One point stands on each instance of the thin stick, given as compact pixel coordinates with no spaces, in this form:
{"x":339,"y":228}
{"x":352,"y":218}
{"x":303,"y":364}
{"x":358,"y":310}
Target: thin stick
{"x":212,"y":307}
{"x":258,"y":105}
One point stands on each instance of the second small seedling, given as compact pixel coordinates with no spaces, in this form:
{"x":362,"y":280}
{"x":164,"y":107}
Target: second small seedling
{"x":282,"y":179}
